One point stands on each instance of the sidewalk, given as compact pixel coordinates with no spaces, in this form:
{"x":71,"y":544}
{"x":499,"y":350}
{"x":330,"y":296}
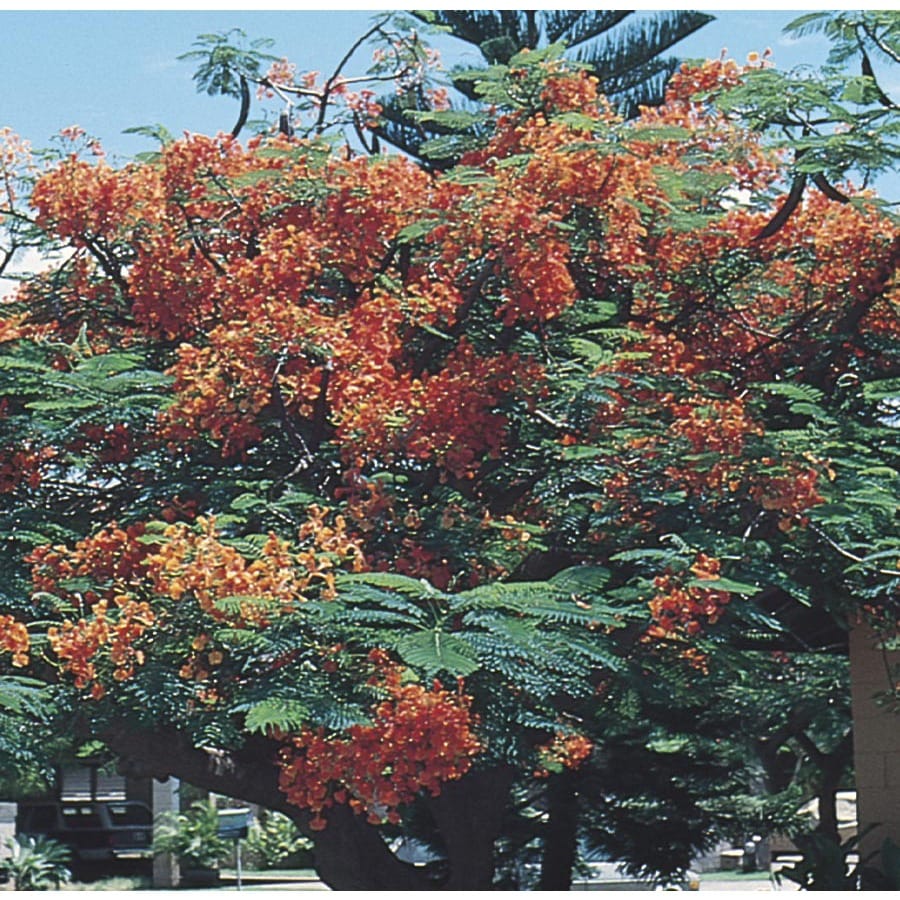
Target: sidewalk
{"x":737,"y":880}
{"x":275,"y":880}
{"x":713,"y":881}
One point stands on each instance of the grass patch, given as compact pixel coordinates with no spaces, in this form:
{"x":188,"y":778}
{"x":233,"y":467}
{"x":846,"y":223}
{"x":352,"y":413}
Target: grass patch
{"x":731,"y":875}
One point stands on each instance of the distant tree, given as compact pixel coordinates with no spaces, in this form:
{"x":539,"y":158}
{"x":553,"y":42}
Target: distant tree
{"x":625,"y":50}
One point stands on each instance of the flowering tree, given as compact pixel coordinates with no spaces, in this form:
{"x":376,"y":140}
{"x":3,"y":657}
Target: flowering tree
{"x":368,"y":494}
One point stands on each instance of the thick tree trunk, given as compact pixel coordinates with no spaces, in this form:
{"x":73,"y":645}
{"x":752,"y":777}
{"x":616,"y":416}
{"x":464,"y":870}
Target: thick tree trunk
{"x":561,"y":833}
{"x":350,"y":854}
{"x":832,"y":766}
{"x":469,"y":815}
{"x":827,"y":796}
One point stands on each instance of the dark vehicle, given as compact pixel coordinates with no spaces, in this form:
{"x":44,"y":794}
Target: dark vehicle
{"x":94,"y":830}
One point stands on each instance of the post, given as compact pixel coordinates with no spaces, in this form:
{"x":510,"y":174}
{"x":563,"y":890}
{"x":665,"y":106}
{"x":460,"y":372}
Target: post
{"x":876,"y":742}
{"x":234,"y":824}
{"x":165,"y":800}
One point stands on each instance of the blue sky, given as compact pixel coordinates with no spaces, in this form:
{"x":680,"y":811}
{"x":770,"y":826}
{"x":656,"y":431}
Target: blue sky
{"x":110,"y":70}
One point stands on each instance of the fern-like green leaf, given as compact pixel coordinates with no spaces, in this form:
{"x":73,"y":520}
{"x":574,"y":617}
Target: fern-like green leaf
{"x":433,"y":651}
{"x":275,"y":712}
{"x":581,"y":579}
{"x":403,"y":584}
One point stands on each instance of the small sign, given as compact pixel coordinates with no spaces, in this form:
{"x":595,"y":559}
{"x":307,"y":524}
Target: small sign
{"x":233,"y":823}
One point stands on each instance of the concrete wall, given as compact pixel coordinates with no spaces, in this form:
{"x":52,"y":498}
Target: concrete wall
{"x":7,"y":826}
{"x":165,"y":866}
{"x":876,"y":740}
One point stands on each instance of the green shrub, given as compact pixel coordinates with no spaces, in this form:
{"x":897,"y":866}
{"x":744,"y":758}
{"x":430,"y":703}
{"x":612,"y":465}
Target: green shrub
{"x":37,"y":863}
{"x":192,"y":836}
{"x":274,"y":841}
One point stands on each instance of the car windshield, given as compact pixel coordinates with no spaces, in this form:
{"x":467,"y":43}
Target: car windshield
{"x":81,"y":817}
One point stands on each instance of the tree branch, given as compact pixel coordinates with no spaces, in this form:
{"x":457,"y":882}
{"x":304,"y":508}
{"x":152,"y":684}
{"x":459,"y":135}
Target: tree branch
{"x":110,"y":268}
{"x":294,"y":436}
{"x":335,"y":76}
{"x":869,"y":72}
{"x":245,"y":108}
{"x":249,"y":774}
{"x":469,"y":814}
{"x":847,"y":554}
{"x":470,"y":297}
{"x":198,"y":241}
{"x":777,"y":222}
{"x":828,"y":189}
{"x":880,"y":44}
{"x":349,"y":853}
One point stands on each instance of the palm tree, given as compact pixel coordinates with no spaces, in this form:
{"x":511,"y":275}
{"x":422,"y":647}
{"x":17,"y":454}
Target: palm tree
{"x":624,"y":49}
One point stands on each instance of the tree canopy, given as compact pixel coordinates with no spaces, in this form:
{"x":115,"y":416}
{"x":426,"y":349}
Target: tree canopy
{"x":624,"y":49}
{"x":383,"y":497}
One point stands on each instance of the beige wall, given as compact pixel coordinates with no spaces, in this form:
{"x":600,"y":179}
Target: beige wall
{"x":876,"y":740}
{"x":7,"y":826}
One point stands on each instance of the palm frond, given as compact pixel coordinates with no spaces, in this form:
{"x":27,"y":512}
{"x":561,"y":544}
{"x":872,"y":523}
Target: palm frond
{"x":574,"y":27}
{"x":638,"y":42}
{"x":644,"y":86}
{"x":471,"y":26}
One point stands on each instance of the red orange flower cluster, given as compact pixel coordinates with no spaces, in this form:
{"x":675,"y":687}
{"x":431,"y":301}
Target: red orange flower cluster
{"x":456,"y":421}
{"x":418,"y":739}
{"x":112,"y":558}
{"x":14,"y":639}
{"x":180,"y":561}
{"x":194,"y":562}
{"x":716,"y":431}
{"x":684,"y":609}
{"x":112,"y":443}
{"x":566,"y":750}
{"x":77,"y":645}
{"x":330,"y":545}
{"x":23,"y":466}
{"x":791,"y":494}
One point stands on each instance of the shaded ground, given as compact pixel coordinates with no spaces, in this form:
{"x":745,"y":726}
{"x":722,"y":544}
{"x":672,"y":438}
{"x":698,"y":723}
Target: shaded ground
{"x":306,"y":880}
